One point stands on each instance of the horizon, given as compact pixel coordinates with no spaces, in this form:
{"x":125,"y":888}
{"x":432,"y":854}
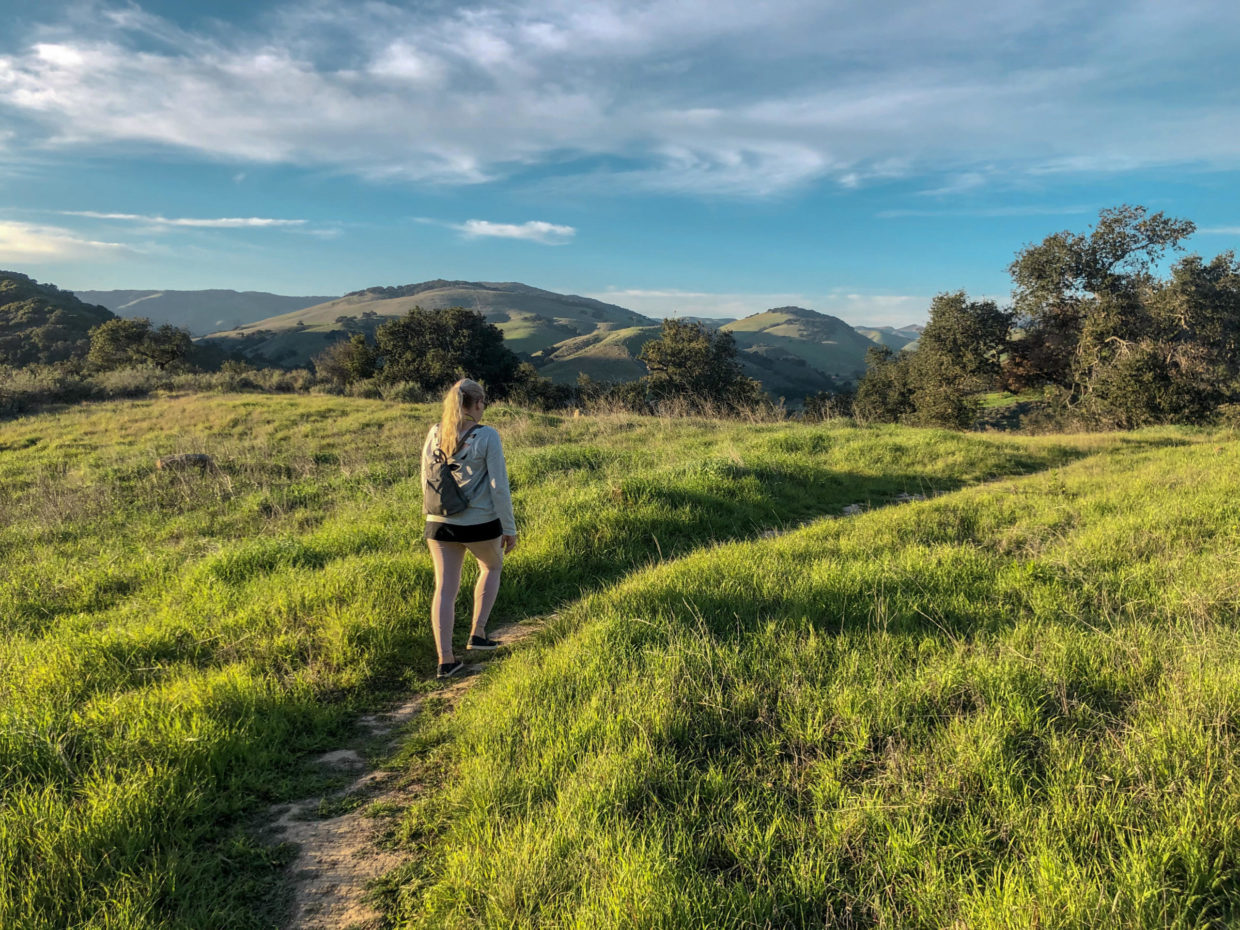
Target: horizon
{"x":674,"y":159}
{"x":155,"y":290}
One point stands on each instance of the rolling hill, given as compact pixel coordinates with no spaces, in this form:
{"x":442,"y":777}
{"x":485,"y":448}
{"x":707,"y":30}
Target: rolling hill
{"x":778,"y":670}
{"x":895,"y":338}
{"x":531,"y":319}
{"x":603,"y":355}
{"x":794,"y":352}
{"x":823,"y":343}
{"x":200,"y":312}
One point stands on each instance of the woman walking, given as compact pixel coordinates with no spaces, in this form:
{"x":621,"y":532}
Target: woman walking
{"x":460,"y":450}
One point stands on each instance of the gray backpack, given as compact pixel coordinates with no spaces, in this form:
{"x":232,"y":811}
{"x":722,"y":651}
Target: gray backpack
{"x":442,"y":496}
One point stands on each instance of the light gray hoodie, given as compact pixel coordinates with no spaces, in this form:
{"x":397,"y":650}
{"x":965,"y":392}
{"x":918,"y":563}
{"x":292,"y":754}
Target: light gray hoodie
{"x":482,"y":477}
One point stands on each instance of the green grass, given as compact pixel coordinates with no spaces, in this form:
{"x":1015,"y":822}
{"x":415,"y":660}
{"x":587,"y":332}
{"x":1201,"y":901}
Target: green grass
{"x":176,"y":646}
{"x":1010,"y":705}
{"x":1015,"y":705}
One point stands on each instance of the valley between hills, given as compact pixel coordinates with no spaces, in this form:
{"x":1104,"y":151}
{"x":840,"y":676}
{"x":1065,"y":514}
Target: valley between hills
{"x":792,"y":351}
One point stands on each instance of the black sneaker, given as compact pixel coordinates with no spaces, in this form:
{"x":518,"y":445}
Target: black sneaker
{"x":448,"y":669}
{"x":481,"y":642}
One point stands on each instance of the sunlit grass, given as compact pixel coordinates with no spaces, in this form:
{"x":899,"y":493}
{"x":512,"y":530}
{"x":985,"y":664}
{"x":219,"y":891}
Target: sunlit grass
{"x":1009,"y":706}
{"x":176,"y":644}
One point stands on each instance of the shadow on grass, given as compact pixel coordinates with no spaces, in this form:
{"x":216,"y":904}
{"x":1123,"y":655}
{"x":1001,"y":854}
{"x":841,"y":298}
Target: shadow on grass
{"x":633,"y":521}
{"x":641,"y":521}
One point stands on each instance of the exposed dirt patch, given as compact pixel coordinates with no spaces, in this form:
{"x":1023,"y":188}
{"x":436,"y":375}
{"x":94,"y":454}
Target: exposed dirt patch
{"x":339,"y":856}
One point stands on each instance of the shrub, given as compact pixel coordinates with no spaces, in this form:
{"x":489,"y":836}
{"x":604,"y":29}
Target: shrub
{"x":33,"y":385}
{"x":405,"y":392}
{"x":367,"y":388}
{"x":130,"y":382}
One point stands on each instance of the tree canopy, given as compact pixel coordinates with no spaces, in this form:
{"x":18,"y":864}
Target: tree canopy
{"x":40,"y":323}
{"x":700,"y":365}
{"x":957,"y":356}
{"x":134,"y":341}
{"x":434,"y":348}
{"x":1092,"y":323}
{"x":347,"y":361}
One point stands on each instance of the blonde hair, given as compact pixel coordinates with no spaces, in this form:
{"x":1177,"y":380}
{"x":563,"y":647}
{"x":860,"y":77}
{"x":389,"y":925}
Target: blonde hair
{"x":454,"y":412}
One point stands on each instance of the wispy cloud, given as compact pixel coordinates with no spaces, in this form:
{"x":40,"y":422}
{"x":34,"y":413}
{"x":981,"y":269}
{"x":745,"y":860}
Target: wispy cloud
{"x":1219,"y":230}
{"x":727,"y":98}
{"x":538,"y":231}
{"x":245,"y":222}
{"x":27,"y":242}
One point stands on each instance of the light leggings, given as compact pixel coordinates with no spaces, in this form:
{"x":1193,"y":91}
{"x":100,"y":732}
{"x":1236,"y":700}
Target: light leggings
{"x":448,"y":558}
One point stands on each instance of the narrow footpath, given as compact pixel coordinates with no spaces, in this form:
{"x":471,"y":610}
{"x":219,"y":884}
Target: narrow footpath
{"x":340,"y":856}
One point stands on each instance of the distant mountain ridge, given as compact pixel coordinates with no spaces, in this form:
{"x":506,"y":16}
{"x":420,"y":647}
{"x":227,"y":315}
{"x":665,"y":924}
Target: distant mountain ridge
{"x":897,"y":338}
{"x":531,"y":319}
{"x":200,"y":312}
{"x":793,"y":351}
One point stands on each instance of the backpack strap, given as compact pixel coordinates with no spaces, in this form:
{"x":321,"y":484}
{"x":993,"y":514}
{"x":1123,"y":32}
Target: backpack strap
{"x":438,"y":454}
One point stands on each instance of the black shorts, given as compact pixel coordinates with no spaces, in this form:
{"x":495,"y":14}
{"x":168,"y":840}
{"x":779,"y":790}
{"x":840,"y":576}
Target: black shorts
{"x":473,"y":532}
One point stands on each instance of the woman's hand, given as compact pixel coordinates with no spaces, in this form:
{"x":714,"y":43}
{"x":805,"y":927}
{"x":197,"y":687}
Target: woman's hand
{"x":508,"y":543}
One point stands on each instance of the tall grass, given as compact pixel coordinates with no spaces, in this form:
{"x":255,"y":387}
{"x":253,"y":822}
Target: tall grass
{"x":1015,"y":705}
{"x":175,"y":645}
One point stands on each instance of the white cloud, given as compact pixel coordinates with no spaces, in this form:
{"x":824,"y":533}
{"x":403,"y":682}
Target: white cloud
{"x":727,"y":98}
{"x":532,"y":231}
{"x":241,"y":222}
{"x":26,"y":242}
{"x":1220,"y":230}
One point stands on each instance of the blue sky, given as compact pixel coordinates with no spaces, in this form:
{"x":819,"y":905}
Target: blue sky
{"x":714,"y":158}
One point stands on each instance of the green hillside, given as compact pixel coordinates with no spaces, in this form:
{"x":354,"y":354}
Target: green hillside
{"x":612,"y":356}
{"x":531,"y":319}
{"x":824,"y":343}
{"x":40,"y":323}
{"x":793,"y":352}
{"x":892,"y":337}
{"x":1014,"y":698}
{"x":604,"y":355}
{"x":785,"y":373}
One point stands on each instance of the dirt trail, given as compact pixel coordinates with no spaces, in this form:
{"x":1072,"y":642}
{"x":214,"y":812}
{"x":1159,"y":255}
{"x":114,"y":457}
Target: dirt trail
{"x":338,"y":857}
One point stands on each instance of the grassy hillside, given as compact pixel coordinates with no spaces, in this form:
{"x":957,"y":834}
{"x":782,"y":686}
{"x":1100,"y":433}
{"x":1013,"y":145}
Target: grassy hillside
{"x":1012,"y":705}
{"x":604,"y":355}
{"x":823,"y":343}
{"x":891,"y":337}
{"x":784,"y":373}
{"x":530,"y":318}
{"x":793,"y":352}
{"x":612,"y":356}
{"x":175,"y":646}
